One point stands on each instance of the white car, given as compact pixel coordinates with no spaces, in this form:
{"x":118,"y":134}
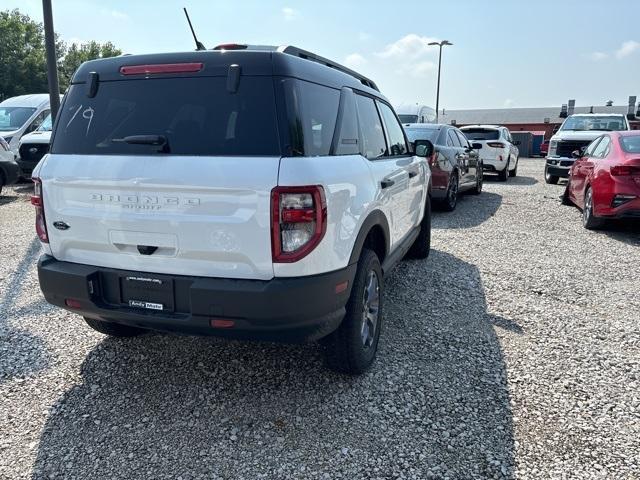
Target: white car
{"x":415,"y":113}
{"x":22,"y":115}
{"x":253,"y":193}
{"x":576,"y":133}
{"x":33,"y":146}
{"x":499,"y":153}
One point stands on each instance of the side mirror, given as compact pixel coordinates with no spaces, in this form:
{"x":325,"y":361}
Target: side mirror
{"x":423,"y":148}
{"x":476,"y":146}
{"x":576,"y":154}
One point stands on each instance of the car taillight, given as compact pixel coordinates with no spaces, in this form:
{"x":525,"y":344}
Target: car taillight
{"x":496,"y":144}
{"x":38,"y":202}
{"x":161,"y":68}
{"x":624,"y":170}
{"x":433,"y":159}
{"x":298,"y":221}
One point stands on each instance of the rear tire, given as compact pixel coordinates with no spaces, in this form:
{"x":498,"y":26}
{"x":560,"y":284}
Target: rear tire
{"x":477,"y":190}
{"x":589,"y":221}
{"x":550,"y":179}
{"x":451,"y":198}
{"x":352,"y":347}
{"x":504,"y":174}
{"x":422,"y":244}
{"x":514,"y":172}
{"x":113,"y":329}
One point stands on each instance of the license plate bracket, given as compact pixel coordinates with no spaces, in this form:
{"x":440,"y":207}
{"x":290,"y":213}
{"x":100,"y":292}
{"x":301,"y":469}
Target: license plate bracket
{"x":147,"y":292}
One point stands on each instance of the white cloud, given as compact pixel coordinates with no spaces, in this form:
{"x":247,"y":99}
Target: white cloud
{"x":289,"y":13}
{"x":118,"y":15}
{"x":410,"y":46}
{"x":364,"y":36}
{"x":598,"y":56}
{"x":355,"y":61}
{"x":627,"y":48}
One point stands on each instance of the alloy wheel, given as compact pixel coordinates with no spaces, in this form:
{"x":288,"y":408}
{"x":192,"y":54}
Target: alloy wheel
{"x":370,"y":310}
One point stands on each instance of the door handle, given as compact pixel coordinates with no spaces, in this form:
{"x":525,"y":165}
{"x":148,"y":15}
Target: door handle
{"x":386,"y":183}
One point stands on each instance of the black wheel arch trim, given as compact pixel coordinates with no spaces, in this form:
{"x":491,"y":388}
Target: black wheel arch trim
{"x":375,"y":218}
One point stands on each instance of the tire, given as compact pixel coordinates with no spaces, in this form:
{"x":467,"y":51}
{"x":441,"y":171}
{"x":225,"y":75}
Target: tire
{"x":451,"y":198}
{"x":550,"y":179}
{"x":352,"y":347}
{"x":564,"y":198}
{"x":113,"y":329}
{"x":422,"y":244}
{"x":477,"y":190}
{"x":504,"y":174}
{"x":589,"y":221}
{"x":514,"y":172}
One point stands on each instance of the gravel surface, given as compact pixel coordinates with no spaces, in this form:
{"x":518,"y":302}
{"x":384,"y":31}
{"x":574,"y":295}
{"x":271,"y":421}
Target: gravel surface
{"x":513,"y":351}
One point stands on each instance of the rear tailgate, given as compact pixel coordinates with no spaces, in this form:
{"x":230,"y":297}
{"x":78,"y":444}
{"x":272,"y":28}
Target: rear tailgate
{"x":193,"y":200}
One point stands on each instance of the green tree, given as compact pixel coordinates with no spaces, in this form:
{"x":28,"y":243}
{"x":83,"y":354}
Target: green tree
{"x":77,"y":54}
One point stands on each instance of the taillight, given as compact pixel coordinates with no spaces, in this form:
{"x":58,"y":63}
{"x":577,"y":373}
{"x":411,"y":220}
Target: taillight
{"x":496,"y":144}
{"x":161,"y":68}
{"x":433,"y":159}
{"x":298,"y":221}
{"x":38,"y":202}
{"x":624,"y":170}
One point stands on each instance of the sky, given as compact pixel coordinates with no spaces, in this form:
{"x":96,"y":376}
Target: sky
{"x":514,"y":53}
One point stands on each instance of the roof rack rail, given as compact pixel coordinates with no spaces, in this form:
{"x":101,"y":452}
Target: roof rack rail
{"x":298,"y":52}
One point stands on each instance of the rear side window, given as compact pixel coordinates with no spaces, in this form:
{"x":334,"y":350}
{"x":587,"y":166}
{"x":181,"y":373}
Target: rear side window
{"x":319,"y":111}
{"x":453,"y":141}
{"x":196,"y":116}
{"x":430,"y":134}
{"x":481,"y":134}
{"x":397,"y":142}
{"x":463,"y":140}
{"x":373,"y":142}
{"x":347,"y":141}
{"x":631,"y":144}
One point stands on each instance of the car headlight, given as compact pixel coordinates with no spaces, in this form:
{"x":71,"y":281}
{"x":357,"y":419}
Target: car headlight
{"x":553,"y":147}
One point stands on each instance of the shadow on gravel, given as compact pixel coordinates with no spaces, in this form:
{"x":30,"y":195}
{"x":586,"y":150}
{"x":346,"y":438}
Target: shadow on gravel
{"x":511,"y":182}
{"x":4,"y":199}
{"x":627,"y":231}
{"x":21,"y":352}
{"x":471,"y":211}
{"x":162,"y":406}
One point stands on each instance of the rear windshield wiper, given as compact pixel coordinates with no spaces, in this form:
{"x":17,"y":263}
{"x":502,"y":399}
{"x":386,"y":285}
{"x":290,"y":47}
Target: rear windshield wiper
{"x":159,"y":140}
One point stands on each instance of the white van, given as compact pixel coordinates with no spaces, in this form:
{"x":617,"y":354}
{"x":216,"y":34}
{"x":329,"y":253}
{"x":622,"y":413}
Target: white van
{"x":415,"y":113}
{"x":21,"y":115}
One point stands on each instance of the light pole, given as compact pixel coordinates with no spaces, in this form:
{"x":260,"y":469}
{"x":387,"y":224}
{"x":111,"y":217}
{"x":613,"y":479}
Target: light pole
{"x":440,"y":44}
{"x":52,"y":67}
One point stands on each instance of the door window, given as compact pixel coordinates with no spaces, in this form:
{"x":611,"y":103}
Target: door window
{"x":373,"y":143}
{"x":602,"y":149}
{"x":37,"y":121}
{"x":452,"y":139}
{"x":463,"y":140}
{"x":397,"y":142}
{"x":592,"y":146}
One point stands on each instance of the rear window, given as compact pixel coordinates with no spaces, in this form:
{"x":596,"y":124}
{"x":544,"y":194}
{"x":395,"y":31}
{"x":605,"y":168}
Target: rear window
{"x":430,"y":134}
{"x":631,"y":144}
{"x":481,"y":134}
{"x":196,"y":116}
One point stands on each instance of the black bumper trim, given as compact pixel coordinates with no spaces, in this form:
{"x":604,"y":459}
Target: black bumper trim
{"x":558,"y":172}
{"x":282,"y":309}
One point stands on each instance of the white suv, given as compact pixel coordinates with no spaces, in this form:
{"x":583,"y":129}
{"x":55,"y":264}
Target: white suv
{"x":247,"y":192}
{"x":499,"y":153}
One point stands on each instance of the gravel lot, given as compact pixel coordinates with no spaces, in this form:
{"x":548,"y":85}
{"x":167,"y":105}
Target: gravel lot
{"x":513,"y":351}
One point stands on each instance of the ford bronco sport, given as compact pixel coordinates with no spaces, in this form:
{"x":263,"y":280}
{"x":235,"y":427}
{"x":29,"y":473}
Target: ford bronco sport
{"x":246,"y":192}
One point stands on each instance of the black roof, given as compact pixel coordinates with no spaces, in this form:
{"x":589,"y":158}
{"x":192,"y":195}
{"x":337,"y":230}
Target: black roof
{"x":254,"y":60}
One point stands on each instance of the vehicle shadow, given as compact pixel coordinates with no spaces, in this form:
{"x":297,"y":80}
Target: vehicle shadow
{"x":436,"y":400}
{"x":22,"y":353}
{"x":627,"y":231}
{"x":471,"y":211}
{"x":4,"y":199}
{"x":512,"y":181}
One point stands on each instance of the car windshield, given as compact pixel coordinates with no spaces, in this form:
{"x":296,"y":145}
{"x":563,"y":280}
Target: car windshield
{"x":186,"y":116}
{"x":481,"y":134}
{"x":47,"y":125}
{"x":631,"y":144}
{"x":430,"y":134}
{"x":408,"y":118}
{"x":12,"y":118}
{"x":596,"y":122}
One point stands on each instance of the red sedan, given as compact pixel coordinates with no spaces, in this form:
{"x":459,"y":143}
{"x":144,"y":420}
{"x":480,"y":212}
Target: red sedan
{"x":605,"y":179}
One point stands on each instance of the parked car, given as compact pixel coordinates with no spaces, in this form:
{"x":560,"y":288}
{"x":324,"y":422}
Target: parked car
{"x":33,"y":146}
{"x":415,"y":113}
{"x":604,"y":181}
{"x":8,"y":167}
{"x":22,"y":115}
{"x":544,"y":148}
{"x":499,"y":153}
{"x":576,"y":132}
{"x":245,"y":192}
{"x":455,"y":164}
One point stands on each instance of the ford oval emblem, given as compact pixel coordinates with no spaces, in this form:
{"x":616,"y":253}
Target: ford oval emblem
{"x":61,"y":225}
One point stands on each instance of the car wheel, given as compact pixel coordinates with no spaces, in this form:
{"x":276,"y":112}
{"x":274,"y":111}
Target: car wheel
{"x":352,"y":347}
{"x":589,"y":221}
{"x":550,"y":179}
{"x":113,"y":329}
{"x":451,"y":199}
{"x":422,"y":244}
{"x":565,"y":196}
{"x":504,"y":174}
{"x":477,"y":190}
{"x":514,"y":172}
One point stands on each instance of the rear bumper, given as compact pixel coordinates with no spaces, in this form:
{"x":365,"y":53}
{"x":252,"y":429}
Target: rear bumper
{"x":282,"y":309}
